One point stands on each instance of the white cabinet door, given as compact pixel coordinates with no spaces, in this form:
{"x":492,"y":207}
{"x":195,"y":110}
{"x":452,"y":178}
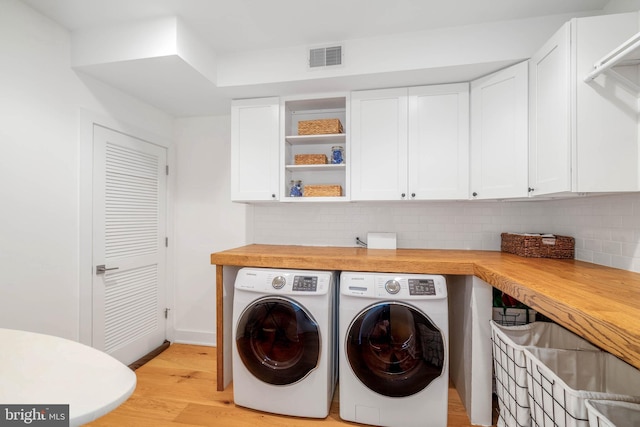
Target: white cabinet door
{"x":255,"y":149}
{"x":410,"y":143}
{"x":499,"y":134}
{"x":379,"y":144}
{"x":439,"y":142}
{"x":549,"y":115}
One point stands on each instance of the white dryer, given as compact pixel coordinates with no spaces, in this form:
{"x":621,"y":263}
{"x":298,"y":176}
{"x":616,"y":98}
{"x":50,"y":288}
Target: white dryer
{"x":283,"y":341}
{"x":393,"y":349}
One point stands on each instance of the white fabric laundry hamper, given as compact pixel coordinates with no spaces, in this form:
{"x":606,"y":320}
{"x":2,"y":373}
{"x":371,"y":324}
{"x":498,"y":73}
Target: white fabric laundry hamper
{"x":612,"y":413}
{"x":510,"y":368}
{"x":560,"y":381}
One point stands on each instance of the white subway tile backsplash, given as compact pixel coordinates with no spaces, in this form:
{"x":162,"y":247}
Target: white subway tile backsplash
{"x":625,"y":263}
{"x":602,"y":258}
{"x":584,"y":255}
{"x":606,"y":228}
{"x":591,"y":244}
{"x":613,"y":248}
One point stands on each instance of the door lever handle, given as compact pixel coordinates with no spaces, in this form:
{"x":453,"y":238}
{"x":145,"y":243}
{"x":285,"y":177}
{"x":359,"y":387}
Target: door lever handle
{"x":100,"y":269}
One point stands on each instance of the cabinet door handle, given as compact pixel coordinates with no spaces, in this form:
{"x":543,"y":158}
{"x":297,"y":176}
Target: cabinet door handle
{"x":273,"y":196}
{"x":403,"y":195}
{"x":474,"y":194}
{"x":531,"y":190}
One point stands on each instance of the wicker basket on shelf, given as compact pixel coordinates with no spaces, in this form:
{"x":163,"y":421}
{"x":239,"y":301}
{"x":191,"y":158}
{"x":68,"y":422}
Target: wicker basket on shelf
{"x":322,"y":191}
{"x":310,"y":159}
{"x":319,"y":127}
{"x":538,"y":245}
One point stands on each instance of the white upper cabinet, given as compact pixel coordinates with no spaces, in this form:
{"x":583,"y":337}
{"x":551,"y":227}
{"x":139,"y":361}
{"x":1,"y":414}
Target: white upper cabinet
{"x":255,"y":151}
{"x":379,"y":144}
{"x":583,"y":135}
{"x":439,"y":142}
{"x":499,"y":134}
{"x":550,"y":115}
{"x":410,"y":143}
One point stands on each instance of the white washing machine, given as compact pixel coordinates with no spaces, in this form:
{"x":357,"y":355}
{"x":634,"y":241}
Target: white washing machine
{"x":393,"y":349}
{"x":284,"y":347}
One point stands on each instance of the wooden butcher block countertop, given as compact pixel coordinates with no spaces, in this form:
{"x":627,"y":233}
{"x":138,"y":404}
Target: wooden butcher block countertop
{"x":599,"y":303}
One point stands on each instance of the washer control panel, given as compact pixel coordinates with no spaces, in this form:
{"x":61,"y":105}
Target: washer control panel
{"x":393,"y":286}
{"x":305,"y":283}
{"x":422,"y":287}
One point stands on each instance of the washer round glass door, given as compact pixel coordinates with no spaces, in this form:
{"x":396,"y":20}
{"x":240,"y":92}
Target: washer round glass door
{"x":278,"y":340}
{"x":394,"y":349}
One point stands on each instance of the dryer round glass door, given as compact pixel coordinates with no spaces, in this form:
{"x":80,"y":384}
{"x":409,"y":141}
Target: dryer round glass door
{"x":278,"y":340}
{"x":394,"y":349}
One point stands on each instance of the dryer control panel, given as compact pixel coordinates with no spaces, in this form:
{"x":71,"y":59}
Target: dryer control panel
{"x":393,"y":286}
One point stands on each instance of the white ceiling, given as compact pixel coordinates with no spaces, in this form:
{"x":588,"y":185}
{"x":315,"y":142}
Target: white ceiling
{"x":238,"y":25}
{"x":232,"y":26}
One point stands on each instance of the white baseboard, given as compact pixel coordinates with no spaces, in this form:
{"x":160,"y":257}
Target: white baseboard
{"x":194,"y":337}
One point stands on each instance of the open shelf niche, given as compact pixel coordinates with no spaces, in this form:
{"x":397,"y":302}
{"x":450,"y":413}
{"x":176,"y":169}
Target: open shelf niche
{"x":294,"y":110}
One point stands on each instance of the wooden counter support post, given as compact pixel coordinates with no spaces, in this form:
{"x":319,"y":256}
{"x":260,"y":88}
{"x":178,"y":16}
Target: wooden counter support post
{"x":219,"y":328}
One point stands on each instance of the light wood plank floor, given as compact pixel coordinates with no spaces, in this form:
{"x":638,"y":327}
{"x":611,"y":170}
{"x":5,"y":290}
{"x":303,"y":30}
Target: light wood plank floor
{"x":178,"y":388}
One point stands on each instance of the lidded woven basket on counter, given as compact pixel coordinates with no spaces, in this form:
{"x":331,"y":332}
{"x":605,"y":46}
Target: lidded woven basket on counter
{"x":538,"y":245}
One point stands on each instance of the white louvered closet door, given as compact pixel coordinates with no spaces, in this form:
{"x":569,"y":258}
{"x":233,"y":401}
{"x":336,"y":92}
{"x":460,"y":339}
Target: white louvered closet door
{"x":129,"y":220}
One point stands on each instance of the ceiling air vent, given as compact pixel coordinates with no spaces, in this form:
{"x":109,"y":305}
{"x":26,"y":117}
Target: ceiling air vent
{"x":325,"y":56}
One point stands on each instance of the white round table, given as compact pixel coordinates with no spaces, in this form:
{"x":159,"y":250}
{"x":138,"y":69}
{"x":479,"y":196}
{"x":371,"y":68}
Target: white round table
{"x":38,"y":369}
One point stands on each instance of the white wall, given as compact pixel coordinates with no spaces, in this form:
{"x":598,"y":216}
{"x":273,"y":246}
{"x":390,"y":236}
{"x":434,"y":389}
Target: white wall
{"x":40,"y":101}
{"x":620,"y":6}
{"x":427,"y":52}
{"x":205,"y":221}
